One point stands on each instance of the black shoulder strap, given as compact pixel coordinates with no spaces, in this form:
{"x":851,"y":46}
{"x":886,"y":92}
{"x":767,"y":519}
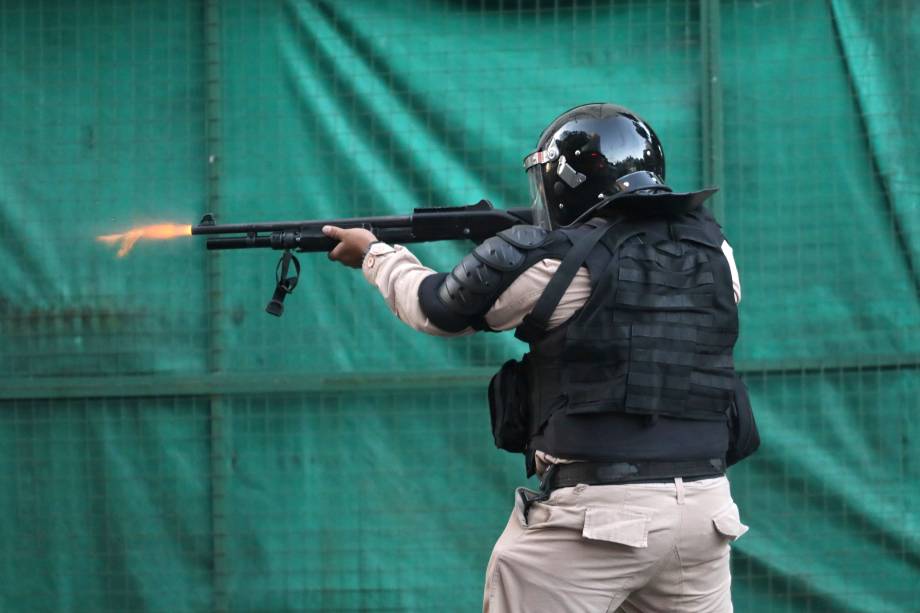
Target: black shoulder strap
{"x":536,"y":322}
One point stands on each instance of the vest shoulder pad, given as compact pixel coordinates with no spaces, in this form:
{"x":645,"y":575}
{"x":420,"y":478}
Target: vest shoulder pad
{"x":525,"y":237}
{"x":498,"y":254}
{"x":700,"y":226}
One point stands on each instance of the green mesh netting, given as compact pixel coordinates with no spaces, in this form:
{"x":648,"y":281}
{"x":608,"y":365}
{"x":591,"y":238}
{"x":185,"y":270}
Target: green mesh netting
{"x":166,"y":446}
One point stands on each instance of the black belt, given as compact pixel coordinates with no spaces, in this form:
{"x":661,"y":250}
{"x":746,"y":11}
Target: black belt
{"x":612,"y":473}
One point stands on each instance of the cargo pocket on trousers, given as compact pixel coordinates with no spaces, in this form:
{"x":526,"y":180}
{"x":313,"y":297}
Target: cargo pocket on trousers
{"x":623,"y":526}
{"x":728,"y":522}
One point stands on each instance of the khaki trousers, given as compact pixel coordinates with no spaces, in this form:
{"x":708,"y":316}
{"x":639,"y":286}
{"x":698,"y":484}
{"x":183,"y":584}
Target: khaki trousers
{"x":644,"y":547}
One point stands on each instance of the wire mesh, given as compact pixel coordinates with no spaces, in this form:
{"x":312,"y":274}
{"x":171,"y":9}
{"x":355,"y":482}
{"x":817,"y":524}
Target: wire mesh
{"x":168,"y":446}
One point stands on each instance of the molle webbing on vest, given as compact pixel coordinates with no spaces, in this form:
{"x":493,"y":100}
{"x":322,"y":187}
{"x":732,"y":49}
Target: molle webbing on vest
{"x":670,"y":279}
{"x":662,"y":302}
{"x":656,"y":336}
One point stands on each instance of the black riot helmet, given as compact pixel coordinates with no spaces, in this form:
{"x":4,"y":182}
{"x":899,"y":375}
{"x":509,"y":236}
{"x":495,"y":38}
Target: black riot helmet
{"x":599,"y":155}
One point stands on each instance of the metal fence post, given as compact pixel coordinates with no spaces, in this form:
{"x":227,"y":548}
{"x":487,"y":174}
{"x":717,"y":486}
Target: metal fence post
{"x":218,"y":437}
{"x":712,"y":142}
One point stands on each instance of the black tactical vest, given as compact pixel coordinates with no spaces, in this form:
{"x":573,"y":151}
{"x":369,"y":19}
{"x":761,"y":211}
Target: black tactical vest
{"x":650,"y":351}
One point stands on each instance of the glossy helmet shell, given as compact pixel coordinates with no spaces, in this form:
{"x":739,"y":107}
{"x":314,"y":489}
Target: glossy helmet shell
{"x":582,"y":158}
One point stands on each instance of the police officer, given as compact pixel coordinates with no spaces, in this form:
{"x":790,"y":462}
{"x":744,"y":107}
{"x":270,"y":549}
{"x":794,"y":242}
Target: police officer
{"x":626,"y":292}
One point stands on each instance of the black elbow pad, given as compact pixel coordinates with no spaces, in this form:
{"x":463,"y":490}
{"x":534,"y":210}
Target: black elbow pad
{"x":436,"y":311}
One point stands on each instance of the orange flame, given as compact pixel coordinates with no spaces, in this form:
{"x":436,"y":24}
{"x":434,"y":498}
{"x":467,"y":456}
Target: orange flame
{"x":160,"y":231}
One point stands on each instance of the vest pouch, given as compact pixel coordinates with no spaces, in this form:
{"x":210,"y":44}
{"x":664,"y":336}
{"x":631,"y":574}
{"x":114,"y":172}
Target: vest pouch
{"x":743,"y":436}
{"x":508,"y":408}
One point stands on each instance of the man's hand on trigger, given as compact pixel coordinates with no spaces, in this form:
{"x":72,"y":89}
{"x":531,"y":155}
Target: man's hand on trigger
{"x":353,"y":244}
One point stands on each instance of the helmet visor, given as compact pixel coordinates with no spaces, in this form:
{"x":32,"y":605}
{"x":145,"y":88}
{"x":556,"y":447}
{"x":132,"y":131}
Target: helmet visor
{"x":538,"y":203}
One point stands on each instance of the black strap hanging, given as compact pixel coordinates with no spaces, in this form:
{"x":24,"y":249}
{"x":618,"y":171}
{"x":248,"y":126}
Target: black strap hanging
{"x":535,"y":323}
{"x":285,"y":284}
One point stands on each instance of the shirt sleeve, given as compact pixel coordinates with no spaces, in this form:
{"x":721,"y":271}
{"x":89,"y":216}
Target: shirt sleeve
{"x":736,"y":280}
{"x":397,"y":274}
{"x":521,"y":296}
